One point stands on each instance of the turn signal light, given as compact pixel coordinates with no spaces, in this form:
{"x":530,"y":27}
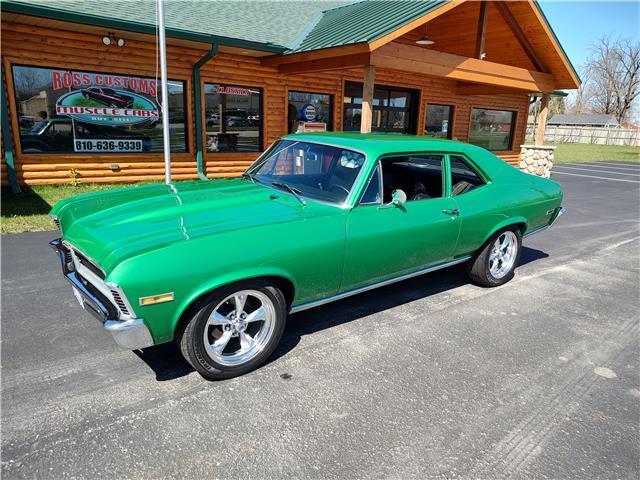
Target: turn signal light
{"x":164,"y":297}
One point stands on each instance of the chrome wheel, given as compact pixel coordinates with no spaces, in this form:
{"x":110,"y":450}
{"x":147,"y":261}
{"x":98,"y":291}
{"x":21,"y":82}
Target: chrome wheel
{"x":239,"y":327}
{"x":503,"y":254}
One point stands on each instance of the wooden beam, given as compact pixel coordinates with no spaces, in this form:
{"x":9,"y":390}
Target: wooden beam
{"x":275,"y":60}
{"x":407,"y":58}
{"x":414,"y":24}
{"x":325,"y":64}
{"x":479,"y":89}
{"x":542,"y":119}
{"x":367,"y":98}
{"x":517,"y":31}
{"x":482,"y":29}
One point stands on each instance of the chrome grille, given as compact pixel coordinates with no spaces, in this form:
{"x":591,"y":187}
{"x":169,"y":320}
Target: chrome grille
{"x":57,"y":222}
{"x":120,"y":302}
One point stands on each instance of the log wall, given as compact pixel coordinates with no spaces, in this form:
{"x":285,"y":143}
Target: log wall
{"x":56,"y":48}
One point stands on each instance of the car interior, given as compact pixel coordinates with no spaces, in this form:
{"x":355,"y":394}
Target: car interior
{"x":420,"y":177}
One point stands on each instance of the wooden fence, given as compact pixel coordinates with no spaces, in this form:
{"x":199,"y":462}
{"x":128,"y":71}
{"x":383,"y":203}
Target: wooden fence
{"x":589,"y":135}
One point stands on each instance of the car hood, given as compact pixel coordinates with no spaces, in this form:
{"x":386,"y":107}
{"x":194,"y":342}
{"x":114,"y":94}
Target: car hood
{"x":112,"y":226}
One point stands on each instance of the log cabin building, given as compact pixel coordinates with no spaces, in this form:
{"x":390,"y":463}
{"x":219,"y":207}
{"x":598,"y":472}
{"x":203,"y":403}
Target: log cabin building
{"x":81,"y":88}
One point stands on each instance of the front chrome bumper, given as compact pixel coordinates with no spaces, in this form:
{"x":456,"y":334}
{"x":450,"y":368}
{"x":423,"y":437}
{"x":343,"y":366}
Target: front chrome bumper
{"x":131,"y":333}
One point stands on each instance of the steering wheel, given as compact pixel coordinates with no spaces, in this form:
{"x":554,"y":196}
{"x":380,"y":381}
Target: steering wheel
{"x":339,"y":187}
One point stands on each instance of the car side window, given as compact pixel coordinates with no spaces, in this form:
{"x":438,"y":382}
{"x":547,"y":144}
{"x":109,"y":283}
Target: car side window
{"x":372,"y":194}
{"x":419,"y":176}
{"x":463,"y":177}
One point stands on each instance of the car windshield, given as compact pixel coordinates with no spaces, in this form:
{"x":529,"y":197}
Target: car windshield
{"x":320,"y":172}
{"x":39,"y":127}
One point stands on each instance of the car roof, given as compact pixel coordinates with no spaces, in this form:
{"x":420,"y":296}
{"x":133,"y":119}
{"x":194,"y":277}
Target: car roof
{"x":377,"y":144}
{"x":383,"y":142}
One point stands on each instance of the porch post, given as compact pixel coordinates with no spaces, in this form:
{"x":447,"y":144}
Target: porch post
{"x":367,"y":98}
{"x":542,"y":119}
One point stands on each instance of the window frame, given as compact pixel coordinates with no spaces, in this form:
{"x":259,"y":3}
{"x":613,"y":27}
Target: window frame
{"x":330,"y":127}
{"x":472,"y":166}
{"x":452,"y":109}
{"x":512,"y":128}
{"x":11,"y":92}
{"x":261,"y":148}
{"x":444,"y":171}
{"x":413,"y":109}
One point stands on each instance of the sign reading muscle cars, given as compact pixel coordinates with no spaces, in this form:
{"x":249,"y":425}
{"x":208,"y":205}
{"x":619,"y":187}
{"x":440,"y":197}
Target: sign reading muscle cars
{"x":68,"y":111}
{"x":101,"y":99}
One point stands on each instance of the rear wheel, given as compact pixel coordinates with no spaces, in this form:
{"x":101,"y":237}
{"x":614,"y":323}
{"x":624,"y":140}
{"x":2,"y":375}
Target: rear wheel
{"x":235,"y":330}
{"x":495,"y":263}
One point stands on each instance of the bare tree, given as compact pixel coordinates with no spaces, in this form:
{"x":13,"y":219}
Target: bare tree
{"x":614,"y":76}
{"x":580,"y":101}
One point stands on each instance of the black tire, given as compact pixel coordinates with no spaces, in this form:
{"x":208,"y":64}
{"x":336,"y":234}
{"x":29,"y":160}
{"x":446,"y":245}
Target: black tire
{"x":479,"y":267}
{"x":191,"y":341}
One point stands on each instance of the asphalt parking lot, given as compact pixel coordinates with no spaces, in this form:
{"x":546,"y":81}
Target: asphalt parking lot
{"x":430,"y":378}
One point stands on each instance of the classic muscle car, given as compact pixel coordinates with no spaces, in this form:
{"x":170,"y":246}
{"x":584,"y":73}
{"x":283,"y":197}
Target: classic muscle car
{"x":218,"y":265}
{"x":108,"y":97}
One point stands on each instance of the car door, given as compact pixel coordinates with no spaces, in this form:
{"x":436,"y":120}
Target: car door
{"x":385,"y":240}
{"x":480,"y":206}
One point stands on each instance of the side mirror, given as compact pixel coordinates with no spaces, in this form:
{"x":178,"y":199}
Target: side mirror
{"x":398,"y":197}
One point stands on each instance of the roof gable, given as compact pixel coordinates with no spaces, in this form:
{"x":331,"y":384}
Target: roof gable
{"x":363,"y":22}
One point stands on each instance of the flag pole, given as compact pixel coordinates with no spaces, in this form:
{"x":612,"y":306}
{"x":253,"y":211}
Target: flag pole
{"x":165,"y":93}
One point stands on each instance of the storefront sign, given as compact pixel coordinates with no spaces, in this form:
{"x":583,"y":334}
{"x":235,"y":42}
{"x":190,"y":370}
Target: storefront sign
{"x":311,"y":127}
{"x":69,"y":79}
{"x":221,"y":89}
{"x":94,"y":145}
{"x":308,"y":112}
{"x":107,"y":106}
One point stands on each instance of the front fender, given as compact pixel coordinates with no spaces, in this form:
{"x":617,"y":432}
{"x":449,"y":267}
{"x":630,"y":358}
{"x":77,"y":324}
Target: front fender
{"x":226,"y":279}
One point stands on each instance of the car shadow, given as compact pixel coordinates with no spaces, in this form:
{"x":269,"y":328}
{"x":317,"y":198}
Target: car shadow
{"x":167,"y":362}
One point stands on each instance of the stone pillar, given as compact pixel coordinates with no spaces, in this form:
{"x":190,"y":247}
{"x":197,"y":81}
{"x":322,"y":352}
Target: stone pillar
{"x":536,"y":160}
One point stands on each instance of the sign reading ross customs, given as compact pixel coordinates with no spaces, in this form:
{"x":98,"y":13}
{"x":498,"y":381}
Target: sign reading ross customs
{"x":108,"y":101}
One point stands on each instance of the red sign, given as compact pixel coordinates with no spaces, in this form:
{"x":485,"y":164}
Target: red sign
{"x":82,"y":79}
{"x":221,"y":89}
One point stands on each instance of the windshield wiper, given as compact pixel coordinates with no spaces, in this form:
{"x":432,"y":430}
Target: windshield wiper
{"x":251,"y":177}
{"x":294,"y":191}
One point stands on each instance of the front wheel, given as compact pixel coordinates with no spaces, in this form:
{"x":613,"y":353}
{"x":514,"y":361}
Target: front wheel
{"x":235,"y":330}
{"x":495,"y":263}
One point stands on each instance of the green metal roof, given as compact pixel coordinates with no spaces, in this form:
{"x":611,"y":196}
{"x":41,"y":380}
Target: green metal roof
{"x":253,"y":24}
{"x":277,"y":26}
{"x":363,"y":21}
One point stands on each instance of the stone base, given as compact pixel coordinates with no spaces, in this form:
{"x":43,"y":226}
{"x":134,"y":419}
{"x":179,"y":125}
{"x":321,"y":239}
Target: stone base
{"x":536,"y":160}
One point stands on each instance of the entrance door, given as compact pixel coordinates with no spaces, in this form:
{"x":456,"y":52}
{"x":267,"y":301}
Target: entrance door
{"x":394,"y":109}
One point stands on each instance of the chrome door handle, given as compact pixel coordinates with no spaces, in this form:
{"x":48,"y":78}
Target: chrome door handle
{"x":451,"y":211}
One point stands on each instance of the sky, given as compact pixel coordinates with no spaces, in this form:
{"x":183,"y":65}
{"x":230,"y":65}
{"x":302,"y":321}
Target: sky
{"x":578,"y":23}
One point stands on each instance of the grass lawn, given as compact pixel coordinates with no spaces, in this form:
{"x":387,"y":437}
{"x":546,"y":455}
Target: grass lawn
{"x":28,"y":211}
{"x":580,"y":152}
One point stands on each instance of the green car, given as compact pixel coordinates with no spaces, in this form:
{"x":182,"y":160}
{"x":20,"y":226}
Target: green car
{"x":217,"y":266}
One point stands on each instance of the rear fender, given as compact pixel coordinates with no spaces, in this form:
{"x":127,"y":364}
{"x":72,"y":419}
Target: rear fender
{"x":517,"y":220}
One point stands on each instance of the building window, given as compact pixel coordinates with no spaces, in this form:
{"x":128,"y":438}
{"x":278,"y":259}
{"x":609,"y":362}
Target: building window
{"x":492,"y":129}
{"x":233,"y":118}
{"x":309,"y":107}
{"x":394,"y":109}
{"x":439,"y":121}
{"x":71,"y":111}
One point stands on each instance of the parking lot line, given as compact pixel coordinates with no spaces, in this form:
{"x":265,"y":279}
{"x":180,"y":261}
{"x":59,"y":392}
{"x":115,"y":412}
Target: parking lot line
{"x":621,"y":166}
{"x":599,"y":171}
{"x":594,"y":176}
